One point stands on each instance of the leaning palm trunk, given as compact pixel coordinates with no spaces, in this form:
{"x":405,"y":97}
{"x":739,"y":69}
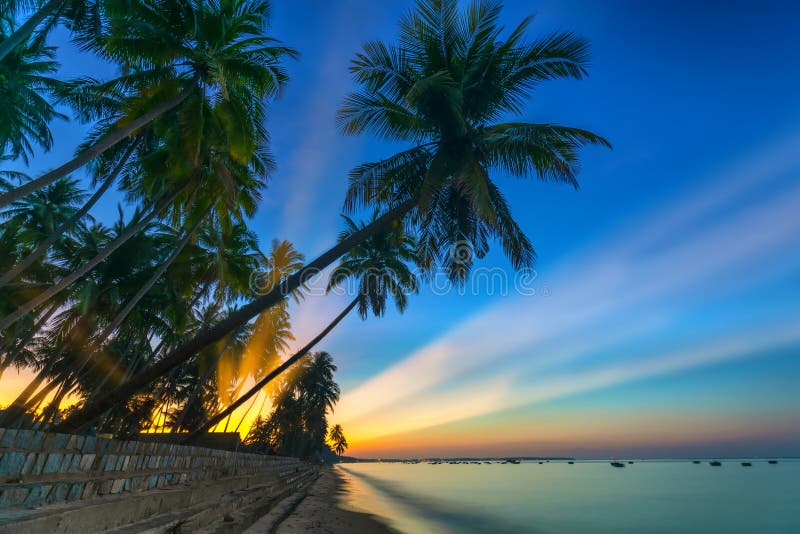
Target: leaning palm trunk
{"x":187,"y":350}
{"x":105,"y":142}
{"x":65,"y":282}
{"x":200,"y":383}
{"x":31,"y":405}
{"x":271,"y":376}
{"x":26,"y":29}
{"x":126,"y":310}
{"x":18,"y":347}
{"x":244,"y":416}
{"x":45,"y":245}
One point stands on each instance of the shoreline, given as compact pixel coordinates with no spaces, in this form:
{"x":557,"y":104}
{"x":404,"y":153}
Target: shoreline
{"x":321,"y":511}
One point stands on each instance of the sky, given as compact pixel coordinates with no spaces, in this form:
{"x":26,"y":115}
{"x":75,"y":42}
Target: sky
{"x":662,"y":318}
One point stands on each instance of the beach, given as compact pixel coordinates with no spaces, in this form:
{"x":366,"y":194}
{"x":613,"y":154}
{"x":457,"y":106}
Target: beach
{"x":322,"y":511}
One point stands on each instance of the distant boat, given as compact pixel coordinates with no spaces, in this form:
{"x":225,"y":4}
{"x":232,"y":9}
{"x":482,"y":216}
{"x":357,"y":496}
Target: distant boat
{"x":570,"y":463}
{"x":541,"y":463}
{"x":630,"y":461}
{"x":617,"y":464}
{"x":512,"y":461}
{"x":747,"y":464}
{"x":715,"y":463}
{"x":695,"y":461}
{"x":772,"y":461}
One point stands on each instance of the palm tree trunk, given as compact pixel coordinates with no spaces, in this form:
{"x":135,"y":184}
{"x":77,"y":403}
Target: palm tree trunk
{"x":153,"y":279}
{"x":185,"y":351}
{"x":255,"y":398}
{"x":34,"y":403}
{"x":65,"y":282}
{"x":45,"y":245}
{"x":123,"y":313}
{"x":96,"y":389}
{"x":200,"y":382}
{"x":234,"y":395}
{"x":105,"y":142}
{"x":24,"y":31}
{"x":277,"y":371}
{"x":58,"y":398}
{"x":14,"y":351}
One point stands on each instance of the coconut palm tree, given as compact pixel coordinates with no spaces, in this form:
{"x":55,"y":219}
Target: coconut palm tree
{"x":26,"y":224}
{"x":176,"y":49}
{"x":337,"y":439}
{"x":441,"y":89}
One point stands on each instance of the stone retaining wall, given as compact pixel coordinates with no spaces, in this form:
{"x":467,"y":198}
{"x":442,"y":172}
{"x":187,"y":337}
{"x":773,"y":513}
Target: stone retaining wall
{"x":38,"y":468}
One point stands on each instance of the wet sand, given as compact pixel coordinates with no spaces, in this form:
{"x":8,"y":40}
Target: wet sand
{"x":321,"y":511}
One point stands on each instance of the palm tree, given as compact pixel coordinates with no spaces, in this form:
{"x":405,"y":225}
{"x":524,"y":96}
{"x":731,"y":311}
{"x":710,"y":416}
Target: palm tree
{"x":441,"y":89}
{"x":319,"y":392}
{"x":379,"y":265}
{"x":298,"y":423}
{"x":174,"y":50}
{"x":26,"y":84}
{"x":337,"y":439}
{"x":26,"y":225}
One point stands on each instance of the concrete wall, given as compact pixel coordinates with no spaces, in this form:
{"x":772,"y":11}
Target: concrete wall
{"x":38,"y":468}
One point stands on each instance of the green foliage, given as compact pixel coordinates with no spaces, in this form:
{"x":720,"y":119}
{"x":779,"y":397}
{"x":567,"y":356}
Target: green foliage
{"x":442,"y":88}
{"x":27,"y":87}
{"x":298,"y":424}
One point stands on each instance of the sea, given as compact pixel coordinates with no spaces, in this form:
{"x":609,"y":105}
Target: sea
{"x":675,"y":496}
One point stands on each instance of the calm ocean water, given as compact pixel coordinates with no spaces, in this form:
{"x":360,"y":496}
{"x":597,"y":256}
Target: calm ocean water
{"x":587,"y":497}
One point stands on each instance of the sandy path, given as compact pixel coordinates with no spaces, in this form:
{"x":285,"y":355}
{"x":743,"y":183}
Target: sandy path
{"x":319,"y":512}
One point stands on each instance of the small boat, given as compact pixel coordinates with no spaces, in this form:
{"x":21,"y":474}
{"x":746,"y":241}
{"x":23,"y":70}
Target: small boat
{"x":540,"y":463}
{"x":617,"y":464}
{"x":747,"y":464}
{"x":512,"y":461}
{"x":695,"y":461}
{"x":630,"y":461}
{"x":570,"y":463}
{"x":715,"y":463}
{"x":773,"y":462}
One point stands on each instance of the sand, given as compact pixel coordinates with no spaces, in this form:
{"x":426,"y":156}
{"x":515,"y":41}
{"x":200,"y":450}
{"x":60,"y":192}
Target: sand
{"x":321,"y":512}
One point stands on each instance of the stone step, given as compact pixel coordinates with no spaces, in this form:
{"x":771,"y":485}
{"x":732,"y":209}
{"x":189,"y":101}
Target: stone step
{"x":242,"y":518}
{"x":166,"y":507}
{"x":231,"y":512}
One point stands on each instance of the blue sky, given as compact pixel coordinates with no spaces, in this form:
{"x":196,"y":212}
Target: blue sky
{"x":665,"y":318}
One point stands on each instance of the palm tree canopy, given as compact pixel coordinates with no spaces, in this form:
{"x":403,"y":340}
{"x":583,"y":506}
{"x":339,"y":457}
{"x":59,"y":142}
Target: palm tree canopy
{"x":220,"y":47}
{"x":337,"y":439}
{"x":443,"y":88}
{"x":26,"y":86}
